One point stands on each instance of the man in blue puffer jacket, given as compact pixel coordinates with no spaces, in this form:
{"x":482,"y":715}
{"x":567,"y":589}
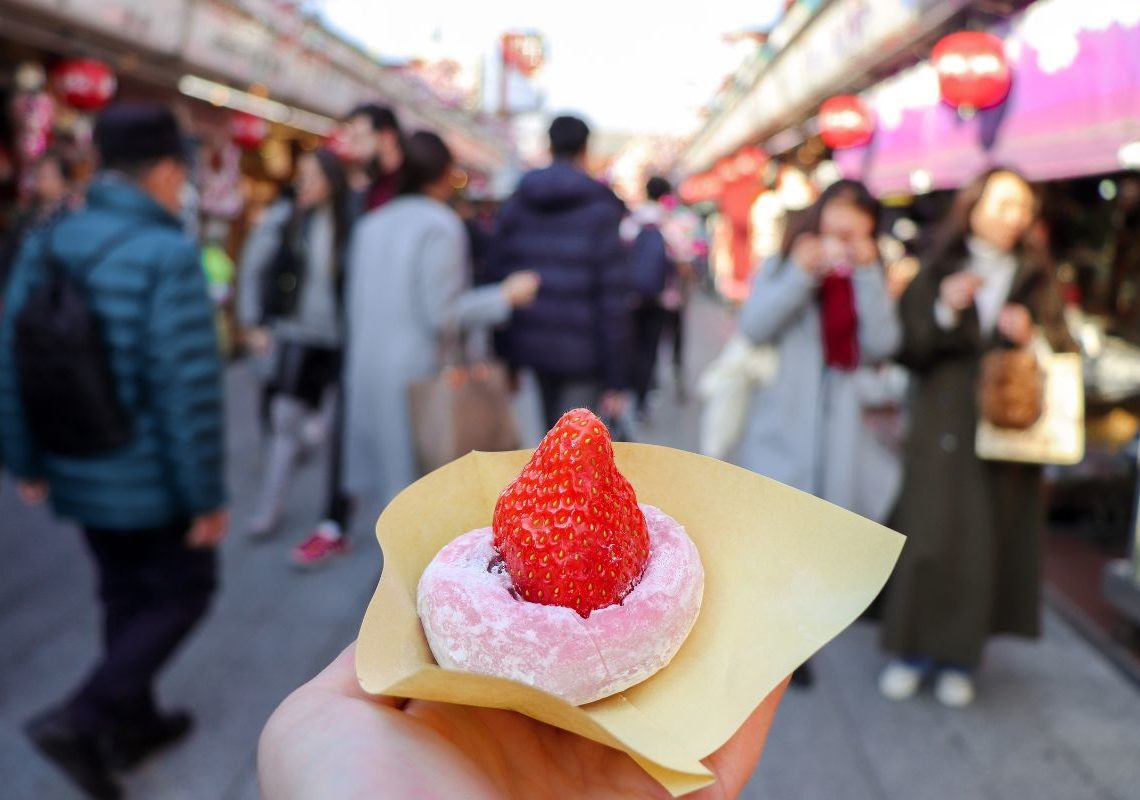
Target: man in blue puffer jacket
{"x":152,"y":511}
{"x":564,"y":225}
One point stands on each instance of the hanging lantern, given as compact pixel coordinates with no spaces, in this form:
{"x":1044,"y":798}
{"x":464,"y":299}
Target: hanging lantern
{"x":973,"y":72}
{"x":725,"y":170}
{"x":749,"y":161}
{"x":85,"y":84}
{"x":845,"y":121}
{"x":248,"y":131}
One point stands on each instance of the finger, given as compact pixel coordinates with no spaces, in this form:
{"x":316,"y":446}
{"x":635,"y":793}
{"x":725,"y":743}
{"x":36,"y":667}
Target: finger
{"x":340,"y":678}
{"x":736,"y":760}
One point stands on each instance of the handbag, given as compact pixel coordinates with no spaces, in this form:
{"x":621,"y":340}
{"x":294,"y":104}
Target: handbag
{"x":281,"y":282}
{"x":726,"y":388}
{"x":1057,"y":434}
{"x":1011,"y":388}
{"x":465,"y":407}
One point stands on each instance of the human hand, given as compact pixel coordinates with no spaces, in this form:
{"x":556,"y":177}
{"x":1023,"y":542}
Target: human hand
{"x":863,"y":252}
{"x":208,"y":530}
{"x":258,"y":340}
{"x":808,"y":254}
{"x":33,"y":493}
{"x":1016,"y":324}
{"x":957,"y":290}
{"x":331,"y":739}
{"x":520,"y":288}
{"x":613,"y":403}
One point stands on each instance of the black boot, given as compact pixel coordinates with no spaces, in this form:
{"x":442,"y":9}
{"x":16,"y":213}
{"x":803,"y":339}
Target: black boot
{"x":77,"y":754}
{"x":130,"y":745}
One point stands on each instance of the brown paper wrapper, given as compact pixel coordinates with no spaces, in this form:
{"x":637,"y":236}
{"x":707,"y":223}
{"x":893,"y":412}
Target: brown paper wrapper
{"x":785,"y":572}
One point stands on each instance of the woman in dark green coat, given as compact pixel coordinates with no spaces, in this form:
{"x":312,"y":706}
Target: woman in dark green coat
{"x":971,"y":565}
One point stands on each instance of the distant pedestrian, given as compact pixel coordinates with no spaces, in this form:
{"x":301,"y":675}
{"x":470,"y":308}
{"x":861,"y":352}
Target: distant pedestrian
{"x":577,"y":337}
{"x":377,"y":140}
{"x":146,"y":487}
{"x":53,"y":193}
{"x":972,"y":565}
{"x":823,"y":304}
{"x":661,"y":251}
{"x":291,"y":300}
{"x":409,"y":279}
{"x":653,"y":268}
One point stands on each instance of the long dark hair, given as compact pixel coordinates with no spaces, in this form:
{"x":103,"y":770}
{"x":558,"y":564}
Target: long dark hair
{"x":948,"y":250}
{"x":334,"y":173}
{"x":427,"y":158}
{"x":808,"y":220}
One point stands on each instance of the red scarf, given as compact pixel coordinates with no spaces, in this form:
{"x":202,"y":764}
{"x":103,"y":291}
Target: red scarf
{"x":840,"y":322}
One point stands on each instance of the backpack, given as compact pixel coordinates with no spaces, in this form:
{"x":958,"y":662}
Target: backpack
{"x":651,"y":264}
{"x":70,"y":398}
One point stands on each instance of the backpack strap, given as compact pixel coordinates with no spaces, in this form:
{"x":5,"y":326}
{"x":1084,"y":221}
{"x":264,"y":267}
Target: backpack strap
{"x":58,"y":267}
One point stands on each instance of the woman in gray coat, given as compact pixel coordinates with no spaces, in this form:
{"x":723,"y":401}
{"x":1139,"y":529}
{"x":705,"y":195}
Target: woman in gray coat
{"x":823,"y":304}
{"x":290,"y":299}
{"x":408,"y":287}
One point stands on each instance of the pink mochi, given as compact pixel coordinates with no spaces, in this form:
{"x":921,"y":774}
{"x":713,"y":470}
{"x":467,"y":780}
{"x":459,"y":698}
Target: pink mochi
{"x":475,"y":621}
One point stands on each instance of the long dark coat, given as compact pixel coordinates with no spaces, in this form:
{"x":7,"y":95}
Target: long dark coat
{"x":971,"y":567}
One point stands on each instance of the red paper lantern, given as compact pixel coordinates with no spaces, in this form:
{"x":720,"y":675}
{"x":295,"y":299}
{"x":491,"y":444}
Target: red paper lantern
{"x":749,"y":161}
{"x":699,"y":188}
{"x":248,"y":131}
{"x":973,"y":72}
{"x":85,"y":84}
{"x":845,"y":121}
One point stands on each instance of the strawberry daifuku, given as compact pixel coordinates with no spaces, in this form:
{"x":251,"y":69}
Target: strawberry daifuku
{"x":569,"y":528}
{"x":576,"y":589}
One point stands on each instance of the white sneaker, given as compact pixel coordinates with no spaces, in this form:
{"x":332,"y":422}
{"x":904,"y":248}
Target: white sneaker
{"x":900,"y":681}
{"x":954,"y":689}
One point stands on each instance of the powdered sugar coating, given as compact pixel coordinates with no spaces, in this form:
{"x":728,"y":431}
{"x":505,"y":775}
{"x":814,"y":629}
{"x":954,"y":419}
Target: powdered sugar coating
{"x":474,"y":622}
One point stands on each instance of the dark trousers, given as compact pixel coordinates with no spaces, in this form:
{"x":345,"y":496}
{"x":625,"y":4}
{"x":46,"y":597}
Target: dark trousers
{"x":674,"y":330}
{"x":648,"y":322}
{"x":306,"y":373}
{"x":153,"y":589}
{"x":338,"y":507}
{"x":561,"y":393}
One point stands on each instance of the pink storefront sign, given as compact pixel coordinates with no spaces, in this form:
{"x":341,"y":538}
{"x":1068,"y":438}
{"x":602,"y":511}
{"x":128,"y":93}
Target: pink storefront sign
{"x":1074,"y":104}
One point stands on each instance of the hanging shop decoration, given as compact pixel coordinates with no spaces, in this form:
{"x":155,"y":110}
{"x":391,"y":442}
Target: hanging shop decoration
{"x":85,"y":84}
{"x":248,"y":131}
{"x":973,"y":72}
{"x":525,"y":51}
{"x":845,"y":121}
{"x":749,"y":161}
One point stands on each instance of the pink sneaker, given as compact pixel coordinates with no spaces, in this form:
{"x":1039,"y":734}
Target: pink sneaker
{"x":325,"y":543}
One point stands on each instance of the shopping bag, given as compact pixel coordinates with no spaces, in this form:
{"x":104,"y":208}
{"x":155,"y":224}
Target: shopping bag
{"x":1058,"y":435}
{"x":726,"y":388}
{"x":465,"y":407}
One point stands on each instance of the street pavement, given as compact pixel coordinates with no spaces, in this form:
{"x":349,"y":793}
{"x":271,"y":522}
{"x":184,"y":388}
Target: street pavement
{"x":1053,"y":721}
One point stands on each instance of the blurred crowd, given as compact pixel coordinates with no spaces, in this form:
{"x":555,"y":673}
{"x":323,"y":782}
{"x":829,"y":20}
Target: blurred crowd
{"x":391,"y":323}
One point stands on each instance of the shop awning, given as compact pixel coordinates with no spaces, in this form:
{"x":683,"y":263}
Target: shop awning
{"x":1075,"y":103}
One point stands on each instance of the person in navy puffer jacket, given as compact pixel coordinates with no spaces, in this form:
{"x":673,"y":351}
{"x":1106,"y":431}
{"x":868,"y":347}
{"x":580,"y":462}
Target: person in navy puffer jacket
{"x":152,"y":511}
{"x":564,"y":225}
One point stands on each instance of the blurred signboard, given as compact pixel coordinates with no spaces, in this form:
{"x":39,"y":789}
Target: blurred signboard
{"x":155,"y":24}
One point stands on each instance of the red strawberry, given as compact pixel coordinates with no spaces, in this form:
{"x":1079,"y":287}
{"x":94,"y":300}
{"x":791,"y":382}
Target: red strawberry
{"x":569,"y":528}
